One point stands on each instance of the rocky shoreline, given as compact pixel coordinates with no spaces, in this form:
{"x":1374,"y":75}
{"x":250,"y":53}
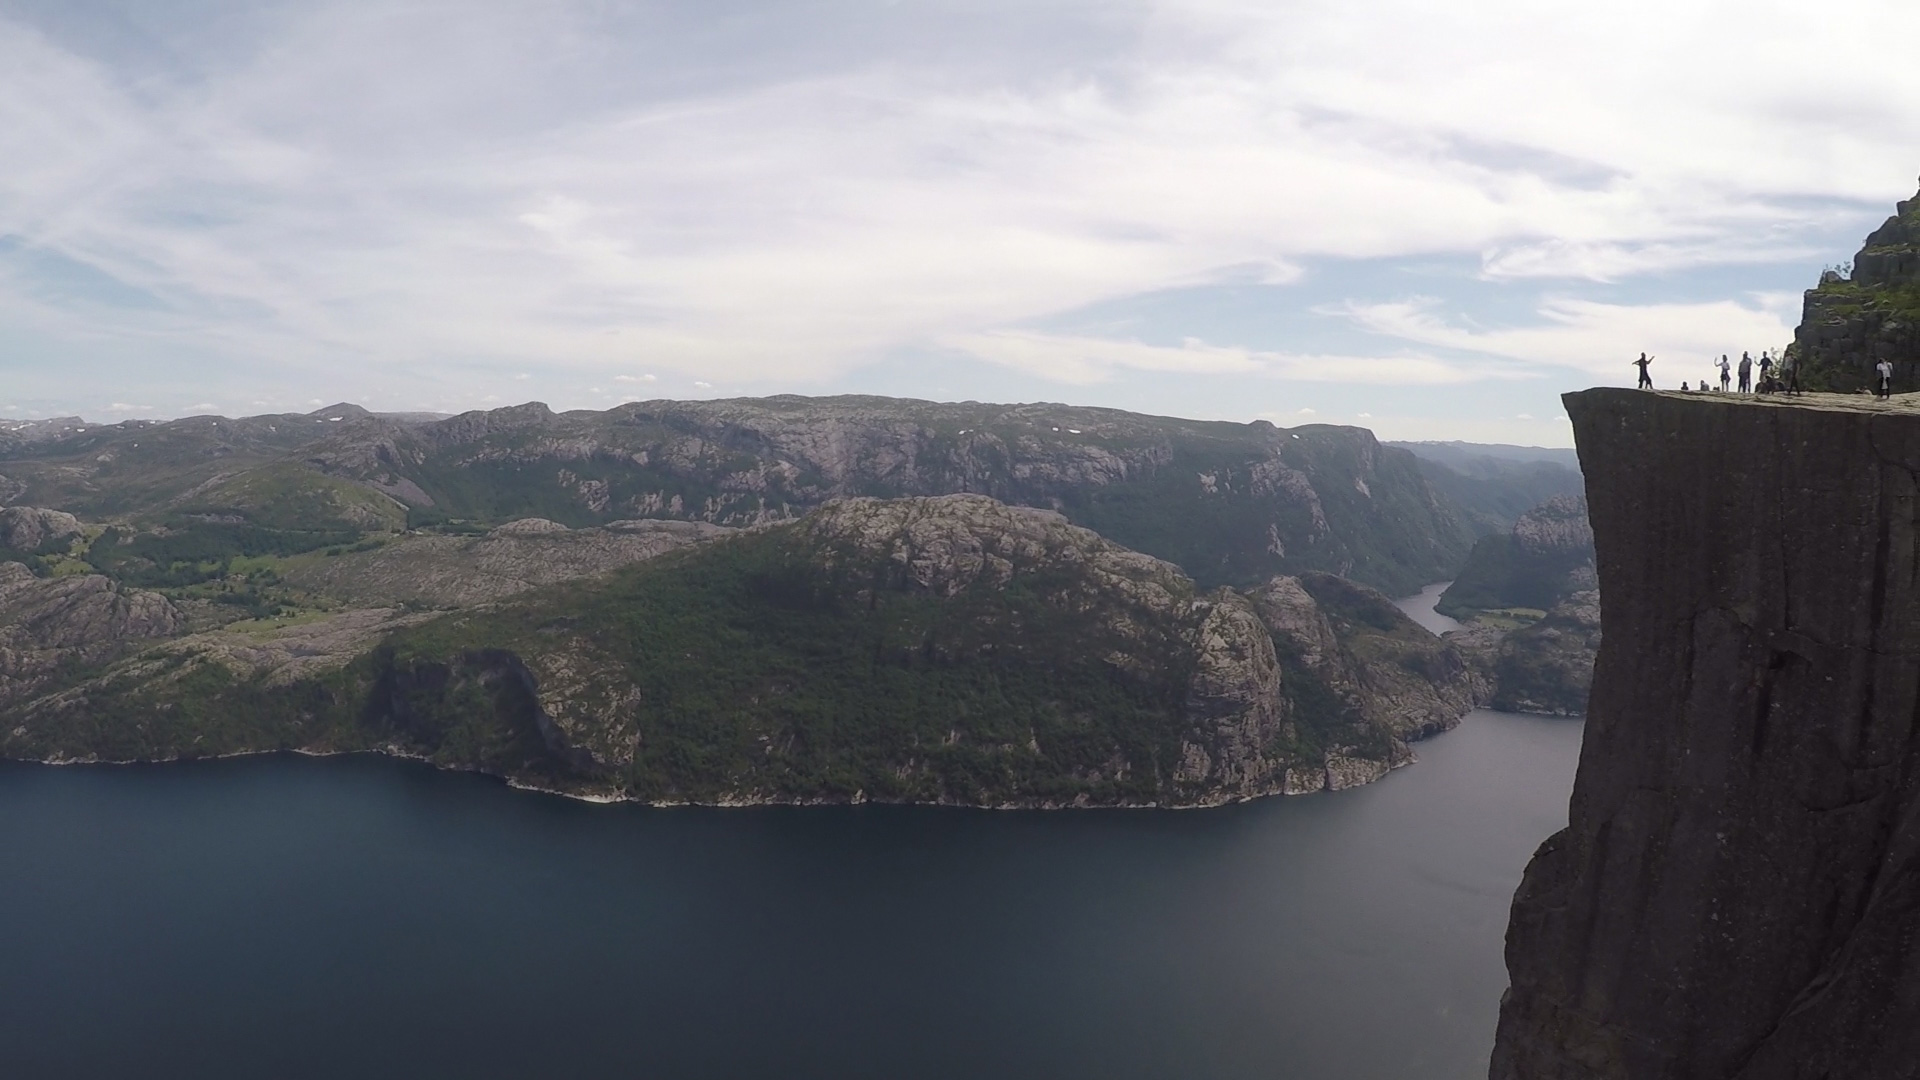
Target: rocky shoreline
{"x":1357,"y":774}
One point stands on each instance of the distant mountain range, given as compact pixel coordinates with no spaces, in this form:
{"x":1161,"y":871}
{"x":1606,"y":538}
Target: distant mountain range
{"x":695,"y":600}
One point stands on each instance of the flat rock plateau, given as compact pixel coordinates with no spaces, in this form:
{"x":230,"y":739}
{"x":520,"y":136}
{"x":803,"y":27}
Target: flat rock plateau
{"x":1737,"y":890}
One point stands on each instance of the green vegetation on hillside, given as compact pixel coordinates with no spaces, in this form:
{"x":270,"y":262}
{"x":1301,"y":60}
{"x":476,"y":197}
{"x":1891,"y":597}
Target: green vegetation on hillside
{"x":752,"y":663}
{"x":796,"y":664}
{"x":193,"y":552}
{"x":1499,"y":576}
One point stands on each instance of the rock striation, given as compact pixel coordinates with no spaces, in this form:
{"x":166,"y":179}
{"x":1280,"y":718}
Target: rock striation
{"x":1736,"y":892}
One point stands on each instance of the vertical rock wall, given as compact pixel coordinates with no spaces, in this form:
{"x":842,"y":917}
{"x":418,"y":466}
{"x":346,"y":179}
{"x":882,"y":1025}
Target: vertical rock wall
{"x":1738,"y":891}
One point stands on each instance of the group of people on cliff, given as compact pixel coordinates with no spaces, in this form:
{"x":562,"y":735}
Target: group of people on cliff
{"x":1777,"y":376}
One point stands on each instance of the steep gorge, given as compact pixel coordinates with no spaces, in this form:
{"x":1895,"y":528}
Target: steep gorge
{"x":1736,"y":893}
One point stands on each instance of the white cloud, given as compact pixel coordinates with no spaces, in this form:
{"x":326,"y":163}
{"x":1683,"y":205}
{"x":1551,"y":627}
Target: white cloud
{"x":205,"y":406}
{"x":358,"y":191}
{"x":1593,"y":337}
{"x":634,"y":378}
{"x":702,"y":385}
{"x":1084,"y":360}
{"x":123,"y":407}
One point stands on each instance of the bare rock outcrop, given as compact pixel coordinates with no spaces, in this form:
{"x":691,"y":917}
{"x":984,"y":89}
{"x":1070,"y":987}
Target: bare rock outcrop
{"x":27,"y":528}
{"x":456,"y":571}
{"x":1736,"y":892}
{"x":1556,"y":529}
{"x":1856,"y":317}
{"x":47,"y":624}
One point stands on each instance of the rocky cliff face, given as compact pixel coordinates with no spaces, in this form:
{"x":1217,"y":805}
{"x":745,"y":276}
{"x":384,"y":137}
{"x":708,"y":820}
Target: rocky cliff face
{"x":1851,"y":321}
{"x":1736,"y":892}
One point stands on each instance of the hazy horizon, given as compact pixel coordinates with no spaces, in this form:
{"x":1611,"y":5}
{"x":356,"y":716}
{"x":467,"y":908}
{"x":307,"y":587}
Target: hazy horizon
{"x":429,"y":414}
{"x":1205,"y":208}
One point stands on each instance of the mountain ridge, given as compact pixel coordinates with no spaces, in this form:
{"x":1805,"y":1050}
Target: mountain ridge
{"x":1229,"y":502}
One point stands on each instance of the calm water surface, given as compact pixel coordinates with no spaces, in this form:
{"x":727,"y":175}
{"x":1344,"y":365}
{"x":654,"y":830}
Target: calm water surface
{"x":1420,"y":607}
{"x":291,"y":917}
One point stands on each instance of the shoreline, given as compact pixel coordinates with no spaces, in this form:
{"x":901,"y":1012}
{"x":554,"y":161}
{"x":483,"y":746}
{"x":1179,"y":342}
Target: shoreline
{"x":730,"y":803}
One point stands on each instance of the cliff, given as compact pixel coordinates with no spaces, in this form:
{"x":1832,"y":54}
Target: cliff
{"x":1736,"y":891}
{"x":1856,"y":317}
{"x":946,"y":650}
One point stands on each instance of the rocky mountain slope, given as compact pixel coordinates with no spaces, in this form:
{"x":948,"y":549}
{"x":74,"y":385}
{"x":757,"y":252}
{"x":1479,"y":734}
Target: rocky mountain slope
{"x":451,"y":571}
{"x":1543,"y":667}
{"x":1228,"y":503}
{"x":1736,"y":890}
{"x":950,"y":649}
{"x":1869,"y":312}
{"x":1493,"y":484}
{"x":1532,"y":609}
{"x":1546,"y":557}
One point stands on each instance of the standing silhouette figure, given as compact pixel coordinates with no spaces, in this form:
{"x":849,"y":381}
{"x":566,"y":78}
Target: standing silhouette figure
{"x":1646,"y":380}
{"x":1746,"y":373}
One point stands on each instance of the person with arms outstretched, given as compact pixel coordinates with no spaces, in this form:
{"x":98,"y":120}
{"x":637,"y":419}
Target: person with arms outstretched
{"x":1646,"y":380}
{"x":1726,"y":376}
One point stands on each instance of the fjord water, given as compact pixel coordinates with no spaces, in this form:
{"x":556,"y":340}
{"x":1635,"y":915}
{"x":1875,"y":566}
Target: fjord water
{"x":291,"y":917}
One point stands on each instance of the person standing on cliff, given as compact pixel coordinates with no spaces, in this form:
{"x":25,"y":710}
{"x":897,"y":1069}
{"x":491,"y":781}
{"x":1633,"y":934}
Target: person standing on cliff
{"x":1646,"y":380}
{"x":1766,"y":372}
{"x":1885,"y":371}
{"x":1790,"y":373}
{"x":1726,"y":375}
{"x":1746,"y":373}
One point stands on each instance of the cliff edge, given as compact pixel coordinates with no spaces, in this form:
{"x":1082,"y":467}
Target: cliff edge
{"x":1737,"y":892}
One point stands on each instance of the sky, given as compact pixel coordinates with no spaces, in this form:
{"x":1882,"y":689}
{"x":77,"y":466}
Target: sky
{"x":1430,"y":220}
